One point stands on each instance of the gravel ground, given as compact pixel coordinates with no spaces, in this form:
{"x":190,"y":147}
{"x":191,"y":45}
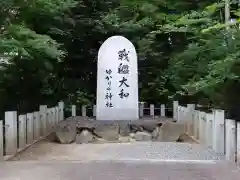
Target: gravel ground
{"x":46,"y":150}
{"x":119,"y":161}
{"x":161,"y":151}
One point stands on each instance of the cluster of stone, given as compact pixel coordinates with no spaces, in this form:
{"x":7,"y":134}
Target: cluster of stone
{"x":87,"y":130}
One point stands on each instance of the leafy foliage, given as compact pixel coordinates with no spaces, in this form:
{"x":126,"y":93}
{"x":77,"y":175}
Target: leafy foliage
{"x":185,"y":50}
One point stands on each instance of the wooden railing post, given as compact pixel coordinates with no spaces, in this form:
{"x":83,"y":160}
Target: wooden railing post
{"x":162,"y":110}
{"x":238,"y":143}
{"x":209,"y":130}
{"x":22,"y":120}
{"x":230,"y":139}
{"x":94,"y":110}
{"x":43,"y":119}
{"x":175,"y":110}
{"x":202,"y":127}
{"x":73,"y":110}
{"x":84,"y":111}
{"x":178,"y":113}
{"x":36,"y":125}
{"x":57,"y":114}
{"x":53,"y":118}
{"x":152,"y":110}
{"x":190,"y":118}
{"x":141,"y":109}
{"x":11,"y":132}
{"x":49,"y":120}
{"x":196,"y":124}
{"x":1,"y":140}
{"x":61,"y":110}
{"x":218,"y":136}
{"x":29,"y":128}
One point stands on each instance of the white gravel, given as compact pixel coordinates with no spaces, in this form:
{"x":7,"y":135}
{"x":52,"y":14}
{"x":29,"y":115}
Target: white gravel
{"x":145,"y":151}
{"x":161,"y":151}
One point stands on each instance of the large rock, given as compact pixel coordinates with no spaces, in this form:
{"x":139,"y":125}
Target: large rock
{"x":84,"y":137}
{"x":123,"y":139}
{"x":124,"y":127}
{"x":155,"y":133}
{"x":169,"y":132}
{"x":144,"y":125}
{"x":107,"y":130}
{"x":142,"y":136}
{"x":132,"y":135}
{"x":66,"y":131}
{"x":85,"y":122}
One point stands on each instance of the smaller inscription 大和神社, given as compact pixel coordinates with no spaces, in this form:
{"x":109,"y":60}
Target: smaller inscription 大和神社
{"x":108,"y":95}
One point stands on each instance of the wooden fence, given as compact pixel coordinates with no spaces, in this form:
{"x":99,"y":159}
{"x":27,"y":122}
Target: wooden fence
{"x":20,"y":131}
{"x":153,"y":110}
{"x":211,"y":129}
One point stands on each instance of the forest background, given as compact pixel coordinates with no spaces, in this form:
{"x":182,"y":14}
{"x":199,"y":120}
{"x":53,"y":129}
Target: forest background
{"x":188,"y":50}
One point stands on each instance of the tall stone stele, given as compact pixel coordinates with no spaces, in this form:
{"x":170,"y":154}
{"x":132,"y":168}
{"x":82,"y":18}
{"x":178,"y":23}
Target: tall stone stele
{"x":117,"y":80}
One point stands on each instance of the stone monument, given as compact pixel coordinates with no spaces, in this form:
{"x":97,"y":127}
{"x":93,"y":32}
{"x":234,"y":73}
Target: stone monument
{"x":117,"y":80}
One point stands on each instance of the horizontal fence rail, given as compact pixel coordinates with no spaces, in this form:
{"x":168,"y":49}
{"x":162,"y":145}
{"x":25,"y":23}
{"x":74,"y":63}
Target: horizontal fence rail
{"x":144,"y":110}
